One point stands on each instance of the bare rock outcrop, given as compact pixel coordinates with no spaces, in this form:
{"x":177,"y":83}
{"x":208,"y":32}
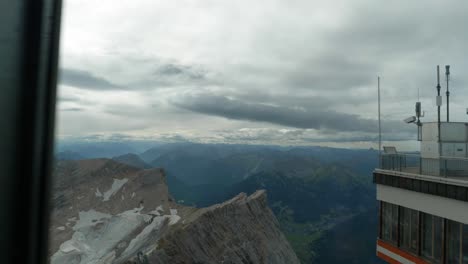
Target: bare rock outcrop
{"x":241,"y":230}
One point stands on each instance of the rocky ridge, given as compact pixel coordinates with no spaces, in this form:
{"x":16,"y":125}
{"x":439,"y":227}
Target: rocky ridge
{"x":108,"y":212}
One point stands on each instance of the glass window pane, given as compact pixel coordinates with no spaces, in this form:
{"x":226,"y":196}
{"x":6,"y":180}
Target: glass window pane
{"x":437,"y":238}
{"x":427,"y":235}
{"x":414,"y":231}
{"x":405,"y":233}
{"x":394,"y":220}
{"x":453,"y":242}
{"x":409,"y":229}
{"x":389,"y":222}
{"x":465,"y":244}
{"x":386,"y":221}
{"x":432,"y":237}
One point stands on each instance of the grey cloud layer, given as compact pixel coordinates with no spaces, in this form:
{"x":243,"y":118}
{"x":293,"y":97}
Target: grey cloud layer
{"x":167,"y":74}
{"x":153,"y":73}
{"x":85,"y":80}
{"x":286,"y":116}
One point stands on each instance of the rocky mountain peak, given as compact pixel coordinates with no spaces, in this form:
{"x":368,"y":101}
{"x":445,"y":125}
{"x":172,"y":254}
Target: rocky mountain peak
{"x":109,"y":212}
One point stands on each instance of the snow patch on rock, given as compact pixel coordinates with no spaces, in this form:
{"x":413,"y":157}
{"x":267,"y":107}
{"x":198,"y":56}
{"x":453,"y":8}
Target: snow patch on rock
{"x":141,"y":239}
{"x":98,"y":236}
{"x":158,"y":211}
{"x":98,"y":193}
{"x":116,"y":185}
{"x":174,"y":219}
{"x":90,"y":218}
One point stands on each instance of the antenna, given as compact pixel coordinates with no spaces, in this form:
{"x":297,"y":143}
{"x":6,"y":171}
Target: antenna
{"x":380,"y":130}
{"x":447,"y":77}
{"x":439,"y":103}
{"x":419,"y":112}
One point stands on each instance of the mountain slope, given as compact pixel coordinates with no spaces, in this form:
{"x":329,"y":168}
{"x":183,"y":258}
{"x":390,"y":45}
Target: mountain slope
{"x":240,"y":230}
{"x":109,"y":212}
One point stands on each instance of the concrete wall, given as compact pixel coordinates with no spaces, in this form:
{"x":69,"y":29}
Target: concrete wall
{"x":431,"y":204}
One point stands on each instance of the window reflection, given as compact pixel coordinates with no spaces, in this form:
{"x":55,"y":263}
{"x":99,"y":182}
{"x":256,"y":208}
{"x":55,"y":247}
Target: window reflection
{"x":389,"y":222}
{"x":409,"y":229}
{"x":453,"y":242}
{"x":432,"y":237}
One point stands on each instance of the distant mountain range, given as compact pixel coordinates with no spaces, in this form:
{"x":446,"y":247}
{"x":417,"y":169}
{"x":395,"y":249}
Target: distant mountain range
{"x":317,"y":193}
{"x":132,"y":160}
{"x":68,"y":155}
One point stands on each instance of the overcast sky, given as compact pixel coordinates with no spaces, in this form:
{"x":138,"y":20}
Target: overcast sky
{"x":295,"y":72}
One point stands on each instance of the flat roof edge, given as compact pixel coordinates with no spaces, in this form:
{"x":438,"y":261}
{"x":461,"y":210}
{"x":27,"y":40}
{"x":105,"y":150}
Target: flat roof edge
{"x":422,"y":177}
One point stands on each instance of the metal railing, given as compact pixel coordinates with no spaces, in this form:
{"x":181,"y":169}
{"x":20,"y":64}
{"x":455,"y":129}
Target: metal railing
{"x":412,"y":163}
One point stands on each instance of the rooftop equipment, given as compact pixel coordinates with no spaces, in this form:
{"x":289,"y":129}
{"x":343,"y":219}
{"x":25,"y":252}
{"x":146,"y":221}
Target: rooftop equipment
{"x":447,"y":77}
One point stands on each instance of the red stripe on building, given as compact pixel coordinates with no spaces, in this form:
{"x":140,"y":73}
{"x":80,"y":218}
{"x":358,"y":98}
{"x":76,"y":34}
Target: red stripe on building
{"x":387,"y":258}
{"x":399,"y":252}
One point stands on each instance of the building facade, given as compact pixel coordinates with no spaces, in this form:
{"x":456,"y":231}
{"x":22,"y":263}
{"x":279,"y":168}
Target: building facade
{"x":423,"y":198}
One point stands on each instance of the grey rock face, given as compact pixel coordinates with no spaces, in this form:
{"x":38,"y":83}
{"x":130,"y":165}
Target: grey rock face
{"x":241,"y":230}
{"x":108,"y":212}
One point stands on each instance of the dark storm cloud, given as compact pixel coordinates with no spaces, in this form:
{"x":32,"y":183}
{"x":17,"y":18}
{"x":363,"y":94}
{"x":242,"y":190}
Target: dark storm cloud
{"x":86,"y":80}
{"x":280,"y":115}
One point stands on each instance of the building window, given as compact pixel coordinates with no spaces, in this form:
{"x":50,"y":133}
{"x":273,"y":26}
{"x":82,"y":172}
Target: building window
{"x":409,"y":229}
{"x":465,"y":244}
{"x":453,"y":242}
{"x":431,"y":237}
{"x":426,"y":235}
{"x":389,"y":222}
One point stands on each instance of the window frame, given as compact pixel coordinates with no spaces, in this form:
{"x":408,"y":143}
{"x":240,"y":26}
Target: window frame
{"x":31,"y":32}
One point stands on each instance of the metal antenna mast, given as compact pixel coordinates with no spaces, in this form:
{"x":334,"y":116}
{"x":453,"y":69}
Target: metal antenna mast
{"x":439,"y":103}
{"x":447,"y":74}
{"x":380,"y":131}
{"x":439,"y":99}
